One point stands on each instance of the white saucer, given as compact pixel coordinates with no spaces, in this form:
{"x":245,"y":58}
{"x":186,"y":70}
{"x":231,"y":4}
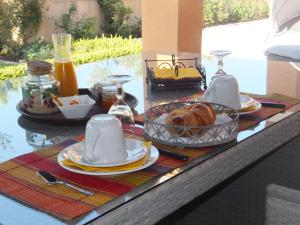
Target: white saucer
{"x":135,"y":151}
{"x":256,"y":108}
{"x":246,"y":101}
{"x":152,"y":156}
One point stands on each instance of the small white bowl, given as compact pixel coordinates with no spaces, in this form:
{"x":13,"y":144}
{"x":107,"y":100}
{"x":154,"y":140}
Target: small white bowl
{"x":76,"y":111}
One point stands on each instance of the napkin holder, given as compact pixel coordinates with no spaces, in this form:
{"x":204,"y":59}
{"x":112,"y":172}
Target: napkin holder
{"x":155,"y":83}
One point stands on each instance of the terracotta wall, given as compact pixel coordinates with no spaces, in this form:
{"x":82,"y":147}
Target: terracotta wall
{"x":160,"y":27}
{"x":172,"y":25}
{"x":135,"y":5}
{"x":53,"y":9}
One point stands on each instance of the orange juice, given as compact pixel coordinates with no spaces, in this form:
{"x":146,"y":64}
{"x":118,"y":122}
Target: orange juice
{"x":65,"y":74}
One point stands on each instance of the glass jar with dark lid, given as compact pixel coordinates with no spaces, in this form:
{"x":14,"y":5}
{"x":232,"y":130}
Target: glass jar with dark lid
{"x":38,"y":86}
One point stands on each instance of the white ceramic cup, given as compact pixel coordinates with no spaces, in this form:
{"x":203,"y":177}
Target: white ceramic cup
{"x":224,"y":89}
{"x":104,"y":140}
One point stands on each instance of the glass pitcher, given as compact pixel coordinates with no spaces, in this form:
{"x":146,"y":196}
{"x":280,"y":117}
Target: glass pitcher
{"x":64,"y":68}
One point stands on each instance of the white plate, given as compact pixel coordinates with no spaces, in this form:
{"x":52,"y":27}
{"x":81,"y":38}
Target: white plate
{"x":246,"y":101}
{"x":135,"y":151}
{"x":257,"y":107}
{"x":152,"y":156}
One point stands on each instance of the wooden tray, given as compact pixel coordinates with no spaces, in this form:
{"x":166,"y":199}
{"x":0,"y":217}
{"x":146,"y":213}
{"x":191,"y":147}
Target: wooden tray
{"x":58,"y":118}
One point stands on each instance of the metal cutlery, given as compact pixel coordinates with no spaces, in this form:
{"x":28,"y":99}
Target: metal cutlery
{"x":175,"y":155}
{"x":273,"y":105}
{"x":50,"y":179}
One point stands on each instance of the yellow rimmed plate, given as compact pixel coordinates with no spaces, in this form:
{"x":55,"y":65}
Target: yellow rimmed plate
{"x":151,"y":157}
{"x":135,"y":151}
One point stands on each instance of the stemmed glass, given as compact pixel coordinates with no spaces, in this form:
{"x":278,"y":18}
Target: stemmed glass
{"x":223,"y":88}
{"x":120,"y":108}
{"x":220,"y":54}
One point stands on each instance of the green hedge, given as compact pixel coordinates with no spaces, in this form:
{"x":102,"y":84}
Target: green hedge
{"x":229,"y":11}
{"x":11,"y":71}
{"x":92,"y":50}
{"x":85,"y":51}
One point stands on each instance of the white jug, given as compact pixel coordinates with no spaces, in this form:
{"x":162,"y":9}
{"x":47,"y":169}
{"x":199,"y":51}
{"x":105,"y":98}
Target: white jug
{"x":223,"y":89}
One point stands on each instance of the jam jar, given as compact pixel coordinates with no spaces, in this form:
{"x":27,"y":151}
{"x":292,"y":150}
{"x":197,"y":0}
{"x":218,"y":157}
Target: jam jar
{"x":108,"y":97}
{"x":38,"y":86}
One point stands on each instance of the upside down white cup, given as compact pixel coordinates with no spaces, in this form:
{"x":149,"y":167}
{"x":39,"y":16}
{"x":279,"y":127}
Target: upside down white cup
{"x":104,"y":140}
{"x":224,"y":89}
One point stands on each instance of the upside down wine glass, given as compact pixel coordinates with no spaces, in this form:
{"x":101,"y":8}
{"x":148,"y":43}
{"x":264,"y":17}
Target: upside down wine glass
{"x":120,"y":108}
{"x":220,"y":54}
{"x":223,"y":88}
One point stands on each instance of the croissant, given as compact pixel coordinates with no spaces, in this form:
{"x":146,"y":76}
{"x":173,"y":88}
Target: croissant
{"x":195,"y":115}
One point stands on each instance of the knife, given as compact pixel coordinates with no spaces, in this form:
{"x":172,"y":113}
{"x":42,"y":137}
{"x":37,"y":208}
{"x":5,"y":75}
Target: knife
{"x":273,"y":105}
{"x":173,"y":154}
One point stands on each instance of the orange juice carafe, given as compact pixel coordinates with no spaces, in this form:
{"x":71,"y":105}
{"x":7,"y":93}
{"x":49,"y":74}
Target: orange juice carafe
{"x":64,"y":69}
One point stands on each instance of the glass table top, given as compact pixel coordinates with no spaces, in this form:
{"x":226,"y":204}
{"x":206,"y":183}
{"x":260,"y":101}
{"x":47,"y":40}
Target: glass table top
{"x":19,"y":135}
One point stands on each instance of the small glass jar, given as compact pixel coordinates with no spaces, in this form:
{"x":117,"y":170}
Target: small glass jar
{"x":38,"y":87}
{"x":108,"y":97}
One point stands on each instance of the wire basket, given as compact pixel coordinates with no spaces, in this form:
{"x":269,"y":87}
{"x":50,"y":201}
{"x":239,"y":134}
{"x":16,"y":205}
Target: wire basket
{"x":155,"y":83}
{"x":224,"y":129}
